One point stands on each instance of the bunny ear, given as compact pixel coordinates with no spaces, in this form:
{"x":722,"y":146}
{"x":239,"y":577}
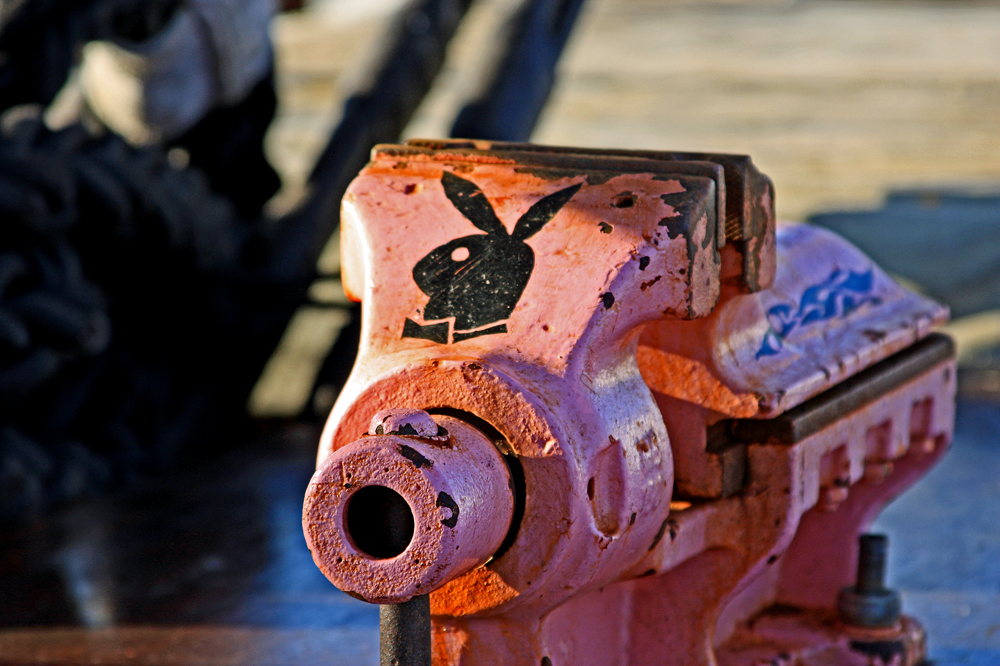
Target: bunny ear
{"x":472,"y":203}
{"x":543,"y":211}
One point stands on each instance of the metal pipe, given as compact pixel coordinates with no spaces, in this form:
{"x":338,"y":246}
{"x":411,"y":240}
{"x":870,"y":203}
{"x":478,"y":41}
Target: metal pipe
{"x":405,"y":632}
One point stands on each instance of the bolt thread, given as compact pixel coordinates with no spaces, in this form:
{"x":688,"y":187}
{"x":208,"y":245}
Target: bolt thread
{"x":871,"y":563}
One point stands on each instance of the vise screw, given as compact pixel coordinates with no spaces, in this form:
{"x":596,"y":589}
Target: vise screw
{"x":606,"y":412}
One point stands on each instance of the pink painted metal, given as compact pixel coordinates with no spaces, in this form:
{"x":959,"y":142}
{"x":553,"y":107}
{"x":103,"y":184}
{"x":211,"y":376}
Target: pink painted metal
{"x":616,"y":325}
{"x":457,"y":491}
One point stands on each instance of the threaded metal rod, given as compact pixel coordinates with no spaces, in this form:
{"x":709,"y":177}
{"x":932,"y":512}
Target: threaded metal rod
{"x":405,"y":632}
{"x":871,"y":563}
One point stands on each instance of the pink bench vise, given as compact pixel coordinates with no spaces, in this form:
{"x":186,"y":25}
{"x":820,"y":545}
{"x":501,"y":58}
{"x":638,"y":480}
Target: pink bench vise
{"x":606,"y":412}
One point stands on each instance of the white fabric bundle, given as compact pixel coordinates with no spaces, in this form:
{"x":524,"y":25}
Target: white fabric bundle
{"x":211,"y":54}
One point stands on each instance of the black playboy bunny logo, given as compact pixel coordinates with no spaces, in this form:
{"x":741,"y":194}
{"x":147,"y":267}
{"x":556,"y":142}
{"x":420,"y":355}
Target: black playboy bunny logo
{"x":479,"y":279}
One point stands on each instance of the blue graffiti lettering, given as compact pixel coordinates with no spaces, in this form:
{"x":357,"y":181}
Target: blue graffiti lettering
{"x":837,"y":296}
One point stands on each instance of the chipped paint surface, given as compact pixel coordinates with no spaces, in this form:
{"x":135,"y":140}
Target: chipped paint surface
{"x":437,"y":483}
{"x":594,"y":371}
{"x":829,"y":314}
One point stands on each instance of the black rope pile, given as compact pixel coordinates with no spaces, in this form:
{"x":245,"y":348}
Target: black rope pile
{"x":124,"y":325}
{"x":139,"y":300}
{"x":137,"y":304}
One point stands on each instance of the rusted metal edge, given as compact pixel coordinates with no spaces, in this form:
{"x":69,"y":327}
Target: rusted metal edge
{"x":743,"y":180}
{"x":815,"y":414}
{"x":551,"y":164}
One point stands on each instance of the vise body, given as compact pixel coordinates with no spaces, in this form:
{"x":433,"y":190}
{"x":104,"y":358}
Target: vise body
{"x":606,"y":412}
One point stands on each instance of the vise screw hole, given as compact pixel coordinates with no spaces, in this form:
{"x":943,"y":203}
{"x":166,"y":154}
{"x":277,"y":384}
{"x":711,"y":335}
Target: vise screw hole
{"x":379,"y":522}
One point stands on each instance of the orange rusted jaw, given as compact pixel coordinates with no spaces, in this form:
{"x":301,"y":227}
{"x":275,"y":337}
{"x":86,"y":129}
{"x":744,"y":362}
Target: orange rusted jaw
{"x":645,"y":435}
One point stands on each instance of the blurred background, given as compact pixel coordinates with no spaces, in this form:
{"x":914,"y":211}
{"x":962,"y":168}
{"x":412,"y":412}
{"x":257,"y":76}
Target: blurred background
{"x":172,"y":327}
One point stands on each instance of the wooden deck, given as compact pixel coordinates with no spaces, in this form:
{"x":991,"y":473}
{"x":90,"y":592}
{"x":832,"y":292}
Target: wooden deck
{"x":836,"y":101}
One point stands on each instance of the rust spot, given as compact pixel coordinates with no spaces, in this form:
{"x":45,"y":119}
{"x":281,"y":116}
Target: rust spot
{"x":553,"y":174}
{"x":623,"y":200}
{"x":673,"y":313}
{"x":414,"y":456}
{"x":406,"y":429}
{"x":606,"y":228}
{"x":659,"y":534}
{"x":646,"y":285}
{"x":874,"y":335}
{"x":445,"y":500}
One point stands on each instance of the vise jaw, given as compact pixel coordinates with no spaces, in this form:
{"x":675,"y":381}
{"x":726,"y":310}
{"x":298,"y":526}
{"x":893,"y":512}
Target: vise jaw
{"x":619,"y":413}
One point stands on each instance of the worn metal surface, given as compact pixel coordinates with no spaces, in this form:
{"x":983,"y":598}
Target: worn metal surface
{"x":746,"y":195}
{"x":790,"y":537}
{"x":829,"y":314}
{"x":793,"y":637}
{"x":396,"y":515}
{"x":531,"y":325}
{"x":813,"y":415}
